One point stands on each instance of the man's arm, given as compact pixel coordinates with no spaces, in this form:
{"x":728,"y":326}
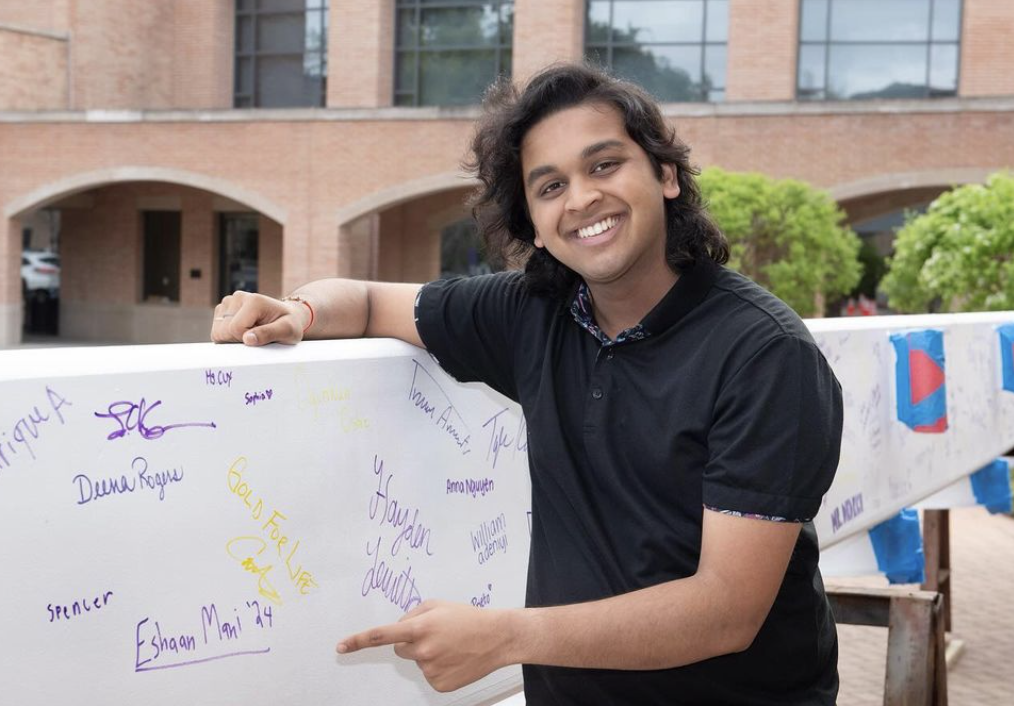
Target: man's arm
{"x":717,"y":611}
{"x":341,"y":308}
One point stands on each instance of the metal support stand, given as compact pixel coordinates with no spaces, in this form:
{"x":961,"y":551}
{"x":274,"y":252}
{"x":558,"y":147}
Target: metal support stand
{"x":916,"y":650}
{"x":936,"y":539}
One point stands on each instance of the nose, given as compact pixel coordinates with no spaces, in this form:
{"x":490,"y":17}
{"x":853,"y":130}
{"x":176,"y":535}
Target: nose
{"x":582,"y":194}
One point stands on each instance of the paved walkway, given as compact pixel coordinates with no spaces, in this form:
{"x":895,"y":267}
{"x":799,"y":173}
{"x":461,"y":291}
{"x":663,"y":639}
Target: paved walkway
{"x":982,"y":563}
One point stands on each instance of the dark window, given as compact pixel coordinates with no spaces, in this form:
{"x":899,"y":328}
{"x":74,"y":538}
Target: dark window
{"x":448,"y":51}
{"x":26,"y":238}
{"x":161,"y":256}
{"x":862,"y":49}
{"x":462,"y":251}
{"x":676,"y":49}
{"x":237,"y":253}
{"x":281,"y":53}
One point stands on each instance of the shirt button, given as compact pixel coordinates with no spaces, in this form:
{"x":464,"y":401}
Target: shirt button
{"x":597,"y":393}
{"x":609,"y":355}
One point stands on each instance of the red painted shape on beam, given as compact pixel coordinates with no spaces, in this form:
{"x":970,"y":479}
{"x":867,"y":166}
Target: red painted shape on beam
{"x":926,"y":375}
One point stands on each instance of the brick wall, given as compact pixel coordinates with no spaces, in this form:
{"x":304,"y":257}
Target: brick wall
{"x":313,"y":169}
{"x":986,"y":55}
{"x":122,"y":55}
{"x":101,"y":242}
{"x":100,"y":248}
{"x":409,"y":238}
{"x":203,"y":55}
{"x":763,"y":40}
{"x":361,"y":54}
{"x":198,"y":244}
{"x":357,"y":247}
{"x":40,"y":15}
{"x":546,"y":31}
{"x":269,"y":258}
{"x":33,"y":72}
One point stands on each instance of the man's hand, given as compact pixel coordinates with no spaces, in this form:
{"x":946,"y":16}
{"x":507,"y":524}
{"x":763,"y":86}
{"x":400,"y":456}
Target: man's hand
{"x":453,"y":644}
{"x":256,"y":319}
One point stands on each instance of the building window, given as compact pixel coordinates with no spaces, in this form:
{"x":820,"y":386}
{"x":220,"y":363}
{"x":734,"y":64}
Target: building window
{"x":161,"y":256}
{"x":239,"y":234}
{"x":676,"y":49}
{"x":863,"y":49}
{"x":448,"y":51}
{"x":281,"y":53}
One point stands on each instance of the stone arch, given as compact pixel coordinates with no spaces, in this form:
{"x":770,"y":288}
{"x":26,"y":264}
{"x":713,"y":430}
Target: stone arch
{"x":874,"y":196}
{"x":359,"y":224}
{"x":68,"y":186}
{"x":112,"y":310}
{"x":400,"y":193}
{"x":901,"y":181}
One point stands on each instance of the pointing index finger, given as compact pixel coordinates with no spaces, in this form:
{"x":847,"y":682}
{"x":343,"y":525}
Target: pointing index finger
{"x":376,"y":637}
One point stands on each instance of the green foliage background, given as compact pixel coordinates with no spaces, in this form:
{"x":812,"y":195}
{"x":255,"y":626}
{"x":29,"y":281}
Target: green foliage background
{"x":959,"y":255}
{"x":785,"y":235}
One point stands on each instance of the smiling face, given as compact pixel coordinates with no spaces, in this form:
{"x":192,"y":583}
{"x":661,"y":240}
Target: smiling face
{"x":595,"y":200}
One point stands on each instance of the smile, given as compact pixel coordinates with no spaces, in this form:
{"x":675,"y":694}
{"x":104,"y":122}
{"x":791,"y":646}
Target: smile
{"x":598,"y":228}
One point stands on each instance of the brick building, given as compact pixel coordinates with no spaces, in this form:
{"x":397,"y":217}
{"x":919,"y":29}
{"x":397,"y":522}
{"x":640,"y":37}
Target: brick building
{"x":182,"y":148}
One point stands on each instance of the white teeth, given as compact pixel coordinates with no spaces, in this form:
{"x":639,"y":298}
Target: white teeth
{"x":598,"y":228}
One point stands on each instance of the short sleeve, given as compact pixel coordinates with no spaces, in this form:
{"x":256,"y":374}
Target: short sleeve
{"x":776,"y":433}
{"x":467,"y":326}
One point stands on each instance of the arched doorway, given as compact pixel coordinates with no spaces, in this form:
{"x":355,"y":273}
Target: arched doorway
{"x":877,"y":208}
{"x":145,"y":260}
{"x":397,"y":235}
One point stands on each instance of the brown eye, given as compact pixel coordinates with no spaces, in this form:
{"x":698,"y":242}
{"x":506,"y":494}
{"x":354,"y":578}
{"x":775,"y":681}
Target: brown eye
{"x":550,"y":187}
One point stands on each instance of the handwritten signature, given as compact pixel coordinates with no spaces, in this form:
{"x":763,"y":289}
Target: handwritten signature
{"x":29,"y":428}
{"x":264,"y":586}
{"x":499,"y":439}
{"x":396,"y":515}
{"x":131,"y":416}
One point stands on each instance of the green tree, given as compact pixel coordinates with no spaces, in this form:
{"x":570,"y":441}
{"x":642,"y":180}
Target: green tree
{"x":959,"y":255}
{"x":785,"y":235}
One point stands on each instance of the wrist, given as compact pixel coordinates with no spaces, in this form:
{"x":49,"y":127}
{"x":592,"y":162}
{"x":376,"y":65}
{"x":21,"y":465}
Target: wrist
{"x":302,"y":310}
{"x":514,"y":632}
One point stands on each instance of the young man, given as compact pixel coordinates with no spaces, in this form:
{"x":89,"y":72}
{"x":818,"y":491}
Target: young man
{"x":683,"y":426}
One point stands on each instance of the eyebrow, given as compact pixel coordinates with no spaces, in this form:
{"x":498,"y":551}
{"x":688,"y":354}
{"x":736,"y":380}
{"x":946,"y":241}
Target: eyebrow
{"x":587,"y":152}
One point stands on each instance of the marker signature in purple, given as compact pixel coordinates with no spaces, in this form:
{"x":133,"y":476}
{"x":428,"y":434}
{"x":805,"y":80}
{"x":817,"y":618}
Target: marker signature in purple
{"x":204,"y":660}
{"x":132,"y":416}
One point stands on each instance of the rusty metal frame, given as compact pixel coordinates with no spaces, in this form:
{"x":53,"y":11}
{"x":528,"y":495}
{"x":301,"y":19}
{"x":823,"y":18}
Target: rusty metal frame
{"x":936,"y":539}
{"x":916,"y":648}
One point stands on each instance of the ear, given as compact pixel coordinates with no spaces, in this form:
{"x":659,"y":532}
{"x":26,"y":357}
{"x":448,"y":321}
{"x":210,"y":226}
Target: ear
{"x":537,"y":240}
{"x":670,"y":186}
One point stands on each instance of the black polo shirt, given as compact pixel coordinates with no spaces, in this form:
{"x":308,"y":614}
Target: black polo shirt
{"x":723,"y":399}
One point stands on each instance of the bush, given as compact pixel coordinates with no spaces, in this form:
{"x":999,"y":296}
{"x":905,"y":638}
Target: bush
{"x":959,"y":255}
{"x":785,"y":235}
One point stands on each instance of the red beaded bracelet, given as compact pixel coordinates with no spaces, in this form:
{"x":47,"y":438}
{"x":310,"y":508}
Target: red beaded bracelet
{"x":305,"y":303}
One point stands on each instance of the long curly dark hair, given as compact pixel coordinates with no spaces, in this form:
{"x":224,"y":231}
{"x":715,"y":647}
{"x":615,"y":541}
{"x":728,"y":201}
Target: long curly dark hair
{"x":499,"y":205}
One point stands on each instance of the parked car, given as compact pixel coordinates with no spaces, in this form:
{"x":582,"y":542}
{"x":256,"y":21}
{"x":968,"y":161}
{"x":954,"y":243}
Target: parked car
{"x":40,"y":274}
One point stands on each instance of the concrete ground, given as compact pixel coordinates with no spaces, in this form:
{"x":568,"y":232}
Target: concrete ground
{"x":982,"y":563}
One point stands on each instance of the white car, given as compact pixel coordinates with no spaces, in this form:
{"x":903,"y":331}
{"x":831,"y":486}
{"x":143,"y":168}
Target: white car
{"x":40,"y":273}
